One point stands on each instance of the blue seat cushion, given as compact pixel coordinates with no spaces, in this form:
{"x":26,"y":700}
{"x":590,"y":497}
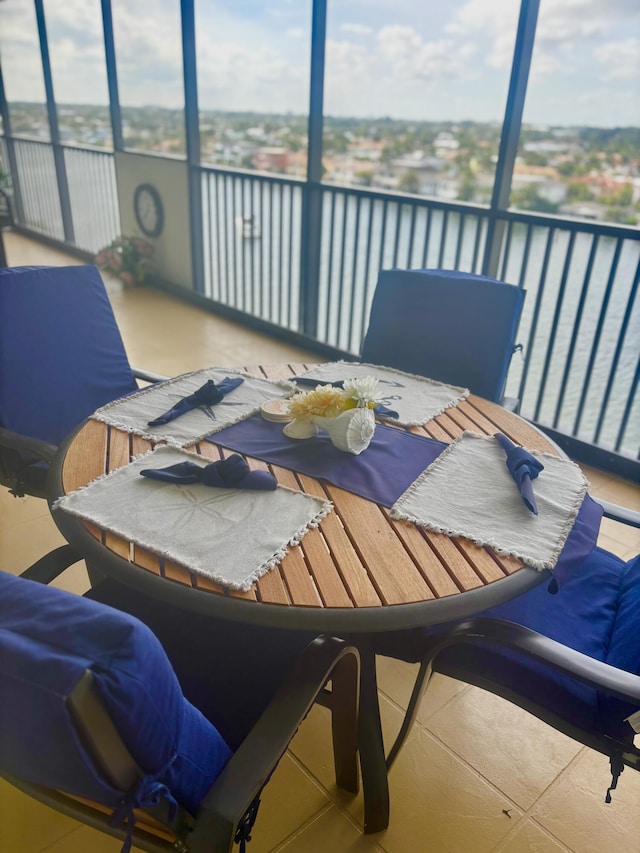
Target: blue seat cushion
{"x":592,"y":613}
{"x":61,"y":353}
{"x":451,"y":326}
{"x":48,"y":638}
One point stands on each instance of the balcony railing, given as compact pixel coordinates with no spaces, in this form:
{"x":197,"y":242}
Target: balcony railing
{"x":580,"y":330}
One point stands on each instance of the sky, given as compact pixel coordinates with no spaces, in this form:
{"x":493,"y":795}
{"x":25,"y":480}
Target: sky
{"x":413,"y":59}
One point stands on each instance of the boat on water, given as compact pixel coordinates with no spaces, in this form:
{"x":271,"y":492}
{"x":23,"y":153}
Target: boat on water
{"x":247,"y":227}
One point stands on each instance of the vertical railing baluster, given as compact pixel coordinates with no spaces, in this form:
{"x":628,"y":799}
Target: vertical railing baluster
{"x":586,"y":281}
{"x":554,"y":324}
{"x":354,"y":266}
{"x":596,"y":338}
{"x":443,"y":238}
{"x":330,"y":279}
{"x":412,"y":231}
{"x":461,"y":225}
{"x":427,"y":239}
{"x":631,"y":301}
{"x":536,"y":310}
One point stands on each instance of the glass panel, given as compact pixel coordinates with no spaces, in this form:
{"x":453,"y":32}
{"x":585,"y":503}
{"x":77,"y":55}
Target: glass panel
{"x":148,"y":48}
{"x":580,"y":142}
{"x":22,"y":70}
{"x":76,"y":52}
{"x":253,"y":83}
{"x":415,"y":94}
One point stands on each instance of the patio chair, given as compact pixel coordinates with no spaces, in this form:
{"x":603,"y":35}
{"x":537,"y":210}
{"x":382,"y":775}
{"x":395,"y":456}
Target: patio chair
{"x":455,"y":327}
{"x":572,"y":659}
{"x":61,"y":357}
{"x":94,"y":724}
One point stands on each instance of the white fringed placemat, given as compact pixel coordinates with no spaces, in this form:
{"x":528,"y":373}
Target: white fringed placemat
{"x":231,"y":536}
{"x":468,"y":491}
{"x":416,"y":399}
{"x":133,"y":413}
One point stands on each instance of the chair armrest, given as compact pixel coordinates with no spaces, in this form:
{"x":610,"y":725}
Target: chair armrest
{"x":52,"y":564}
{"x":15,"y":441}
{"x":609,"y":679}
{"x":147,"y":376}
{"x":253,"y":763}
{"x":620,"y":513}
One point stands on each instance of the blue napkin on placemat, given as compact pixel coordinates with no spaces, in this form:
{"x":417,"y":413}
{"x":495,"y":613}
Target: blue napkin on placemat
{"x":208,"y":395}
{"x":231,"y":473}
{"x":385,"y":470}
{"x":523,"y":467}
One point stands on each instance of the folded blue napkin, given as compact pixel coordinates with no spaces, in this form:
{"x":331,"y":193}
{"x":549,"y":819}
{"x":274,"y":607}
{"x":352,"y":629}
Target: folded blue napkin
{"x":208,"y":395}
{"x":230,"y":473}
{"x":380,"y":410}
{"x":523,"y":467}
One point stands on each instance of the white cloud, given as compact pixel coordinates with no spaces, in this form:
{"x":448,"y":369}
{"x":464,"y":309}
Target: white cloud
{"x":356,"y":29}
{"x":411,"y":57}
{"x":296,"y":32}
{"x":621,"y":59}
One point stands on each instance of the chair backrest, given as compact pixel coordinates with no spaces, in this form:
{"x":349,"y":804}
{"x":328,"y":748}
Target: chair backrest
{"x":49,"y":639}
{"x":61,"y":353}
{"x":455,"y":327}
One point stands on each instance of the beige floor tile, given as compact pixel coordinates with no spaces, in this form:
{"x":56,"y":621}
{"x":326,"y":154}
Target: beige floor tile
{"x":312,"y":744}
{"x":515,"y":751}
{"x":440,"y":804}
{"x":574,"y":810}
{"x":621,"y":492}
{"x":27,"y":826}
{"x":87,"y":840}
{"x":14,"y":510}
{"x":24,"y":542}
{"x":528,"y":837}
{"x":290,"y":799}
{"x":332,"y":831}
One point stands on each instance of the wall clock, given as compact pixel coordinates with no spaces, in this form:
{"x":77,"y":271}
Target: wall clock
{"x":148,"y":209}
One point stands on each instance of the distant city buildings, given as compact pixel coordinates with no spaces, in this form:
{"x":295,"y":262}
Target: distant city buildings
{"x":583,"y":172}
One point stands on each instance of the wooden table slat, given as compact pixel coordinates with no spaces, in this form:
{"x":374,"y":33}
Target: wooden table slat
{"x":119,"y":449}
{"x":433,"y":571}
{"x":85,"y":458}
{"x":517,"y":429}
{"x":271,"y":588}
{"x":453,"y":560}
{"x":390,"y":568}
{"x":117,"y":544}
{"x":300,"y":584}
{"x":481,"y":560}
{"x":175,"y":572}
{"x":147,"y":559}
{"x":354,"y":575}
{"x":325,"y":574}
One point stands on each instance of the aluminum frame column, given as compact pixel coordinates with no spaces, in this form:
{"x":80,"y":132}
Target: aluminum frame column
{"x":312,"y":199}
{"x":58,"y":150}
{"x":510,"y":136}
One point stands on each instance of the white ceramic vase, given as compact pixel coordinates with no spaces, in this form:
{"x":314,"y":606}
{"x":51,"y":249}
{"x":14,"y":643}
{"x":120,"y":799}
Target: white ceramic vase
{"x":350,"y":431}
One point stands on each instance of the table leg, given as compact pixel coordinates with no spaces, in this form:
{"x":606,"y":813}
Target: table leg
{"x":372,"y":760}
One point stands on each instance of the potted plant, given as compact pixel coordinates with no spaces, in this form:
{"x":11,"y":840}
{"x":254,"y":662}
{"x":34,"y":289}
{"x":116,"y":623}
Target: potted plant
{"x":128,"y":258}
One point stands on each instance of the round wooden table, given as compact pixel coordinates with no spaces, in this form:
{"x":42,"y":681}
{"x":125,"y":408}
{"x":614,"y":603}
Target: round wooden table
{"x":360,"y":572}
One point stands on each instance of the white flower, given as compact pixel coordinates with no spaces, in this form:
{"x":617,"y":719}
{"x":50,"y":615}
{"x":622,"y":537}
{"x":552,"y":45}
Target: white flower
{"x":363,"y":391}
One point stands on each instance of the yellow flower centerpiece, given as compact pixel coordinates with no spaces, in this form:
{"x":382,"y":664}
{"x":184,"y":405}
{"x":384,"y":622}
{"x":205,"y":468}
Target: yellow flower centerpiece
{"x":345,"y":413}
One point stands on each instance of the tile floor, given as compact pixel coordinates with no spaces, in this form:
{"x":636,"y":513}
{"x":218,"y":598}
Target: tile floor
{"x":476,"y":775}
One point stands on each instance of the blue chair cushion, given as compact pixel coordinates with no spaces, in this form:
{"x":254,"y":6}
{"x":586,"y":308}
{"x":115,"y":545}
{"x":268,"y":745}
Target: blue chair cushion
{"x":48,"y":638}
{"x":451,"y":326}
{"x":624,"y":645}
{"x":595,"y":612}
{"x":61,"y":353}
